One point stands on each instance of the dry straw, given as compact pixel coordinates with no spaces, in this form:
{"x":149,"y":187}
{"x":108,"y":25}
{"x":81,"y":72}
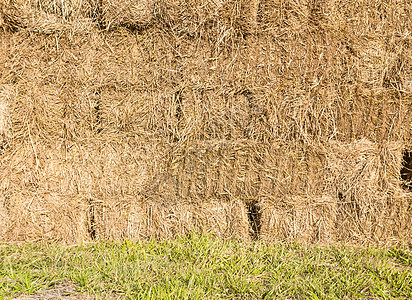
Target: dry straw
{"x":136,"y":14}
{"x":279,"y":120}
{"x":7,"y":95}
{"x":11,"y":18}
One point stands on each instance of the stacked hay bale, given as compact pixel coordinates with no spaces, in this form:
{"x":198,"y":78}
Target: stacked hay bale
{"x":270,"y":119}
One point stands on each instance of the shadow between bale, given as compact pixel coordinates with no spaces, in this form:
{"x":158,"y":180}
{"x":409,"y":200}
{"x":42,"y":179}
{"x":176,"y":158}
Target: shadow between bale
{"x":406,"y":170}
{"x":254,"y":213}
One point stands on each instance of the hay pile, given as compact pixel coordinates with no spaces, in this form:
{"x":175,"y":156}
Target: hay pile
{"x":279,"y":120}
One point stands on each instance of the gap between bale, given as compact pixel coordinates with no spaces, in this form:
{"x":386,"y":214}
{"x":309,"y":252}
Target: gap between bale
{"x":406,"y":170}
{"x":91,"y":219}
{"x":254,"y":212}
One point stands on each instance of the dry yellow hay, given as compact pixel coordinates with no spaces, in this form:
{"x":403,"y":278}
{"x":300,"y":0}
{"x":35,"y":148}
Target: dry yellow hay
{"x":46,"y":16}
{"x":7,"y":94}
{"x":361,"y":201}
{"x":142,"y":219}
{"x":206,"y":115}
{"x":136,"y":14}
{"x":48,"y":217}
{"x":241,"y":16}
{"x":48,"y":188}
{"x":62,"y":8}
{"x":303,"y":219}
{"x":371,"y":203}
{"x":11,"y":18}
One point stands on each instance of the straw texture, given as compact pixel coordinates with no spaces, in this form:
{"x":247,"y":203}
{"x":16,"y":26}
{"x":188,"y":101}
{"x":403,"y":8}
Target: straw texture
{"x":278,"y":120}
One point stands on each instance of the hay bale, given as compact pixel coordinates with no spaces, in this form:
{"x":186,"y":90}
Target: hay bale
{"x":102,"y":190}
{"x":45,"y":217}
{"x":49,"y":185}
{"x":219,"y":169}
{"x":147,"y":129}
{"x":188,"y":19}
{"x":57,"y":16}
{"x":298,"y":218}
{"x":36,"y":206}
{"x":362,"y":200}
{"x":46,"y":16}
{"x":67,"y":10}
{"x":134,"y":218}
{"x":371,"y":207}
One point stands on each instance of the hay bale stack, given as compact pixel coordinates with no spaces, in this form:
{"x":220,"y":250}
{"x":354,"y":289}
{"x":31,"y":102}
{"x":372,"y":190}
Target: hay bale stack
{"x":360,"y":200}
{"x":104,"y":192}
{"x":47,"y":188}
{"x":285,"y":111}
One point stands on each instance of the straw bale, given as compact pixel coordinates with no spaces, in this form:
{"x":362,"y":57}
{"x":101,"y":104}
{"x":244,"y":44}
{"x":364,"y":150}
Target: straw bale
{"x":150,"y":218}
{"x":46,"y":16}
{"x":373,"y":17}
{"x":46,"y":216}
{"x":372,"y":207}
{"x":298,"y":218}
{"x":67,"y":10}
{"x":298,"y":15}
{"x":189,"y":19}
{"x":223,"y":170}
{"x":45,"y":184}
{"x":362,"y":200}
{"x":44,"y":23}
{"x":104,"y":192}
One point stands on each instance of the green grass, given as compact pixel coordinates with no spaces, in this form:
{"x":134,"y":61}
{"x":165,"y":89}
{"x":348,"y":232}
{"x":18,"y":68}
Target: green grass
{"x":201,"y":267}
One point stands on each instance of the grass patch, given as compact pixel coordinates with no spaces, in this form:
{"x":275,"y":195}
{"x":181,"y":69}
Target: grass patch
{"x":201,"y":267}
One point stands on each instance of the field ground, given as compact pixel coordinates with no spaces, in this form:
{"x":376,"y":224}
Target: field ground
{"x":201,"y":267}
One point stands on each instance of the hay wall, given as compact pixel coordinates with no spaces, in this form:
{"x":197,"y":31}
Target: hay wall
{"x":165,"y":117}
